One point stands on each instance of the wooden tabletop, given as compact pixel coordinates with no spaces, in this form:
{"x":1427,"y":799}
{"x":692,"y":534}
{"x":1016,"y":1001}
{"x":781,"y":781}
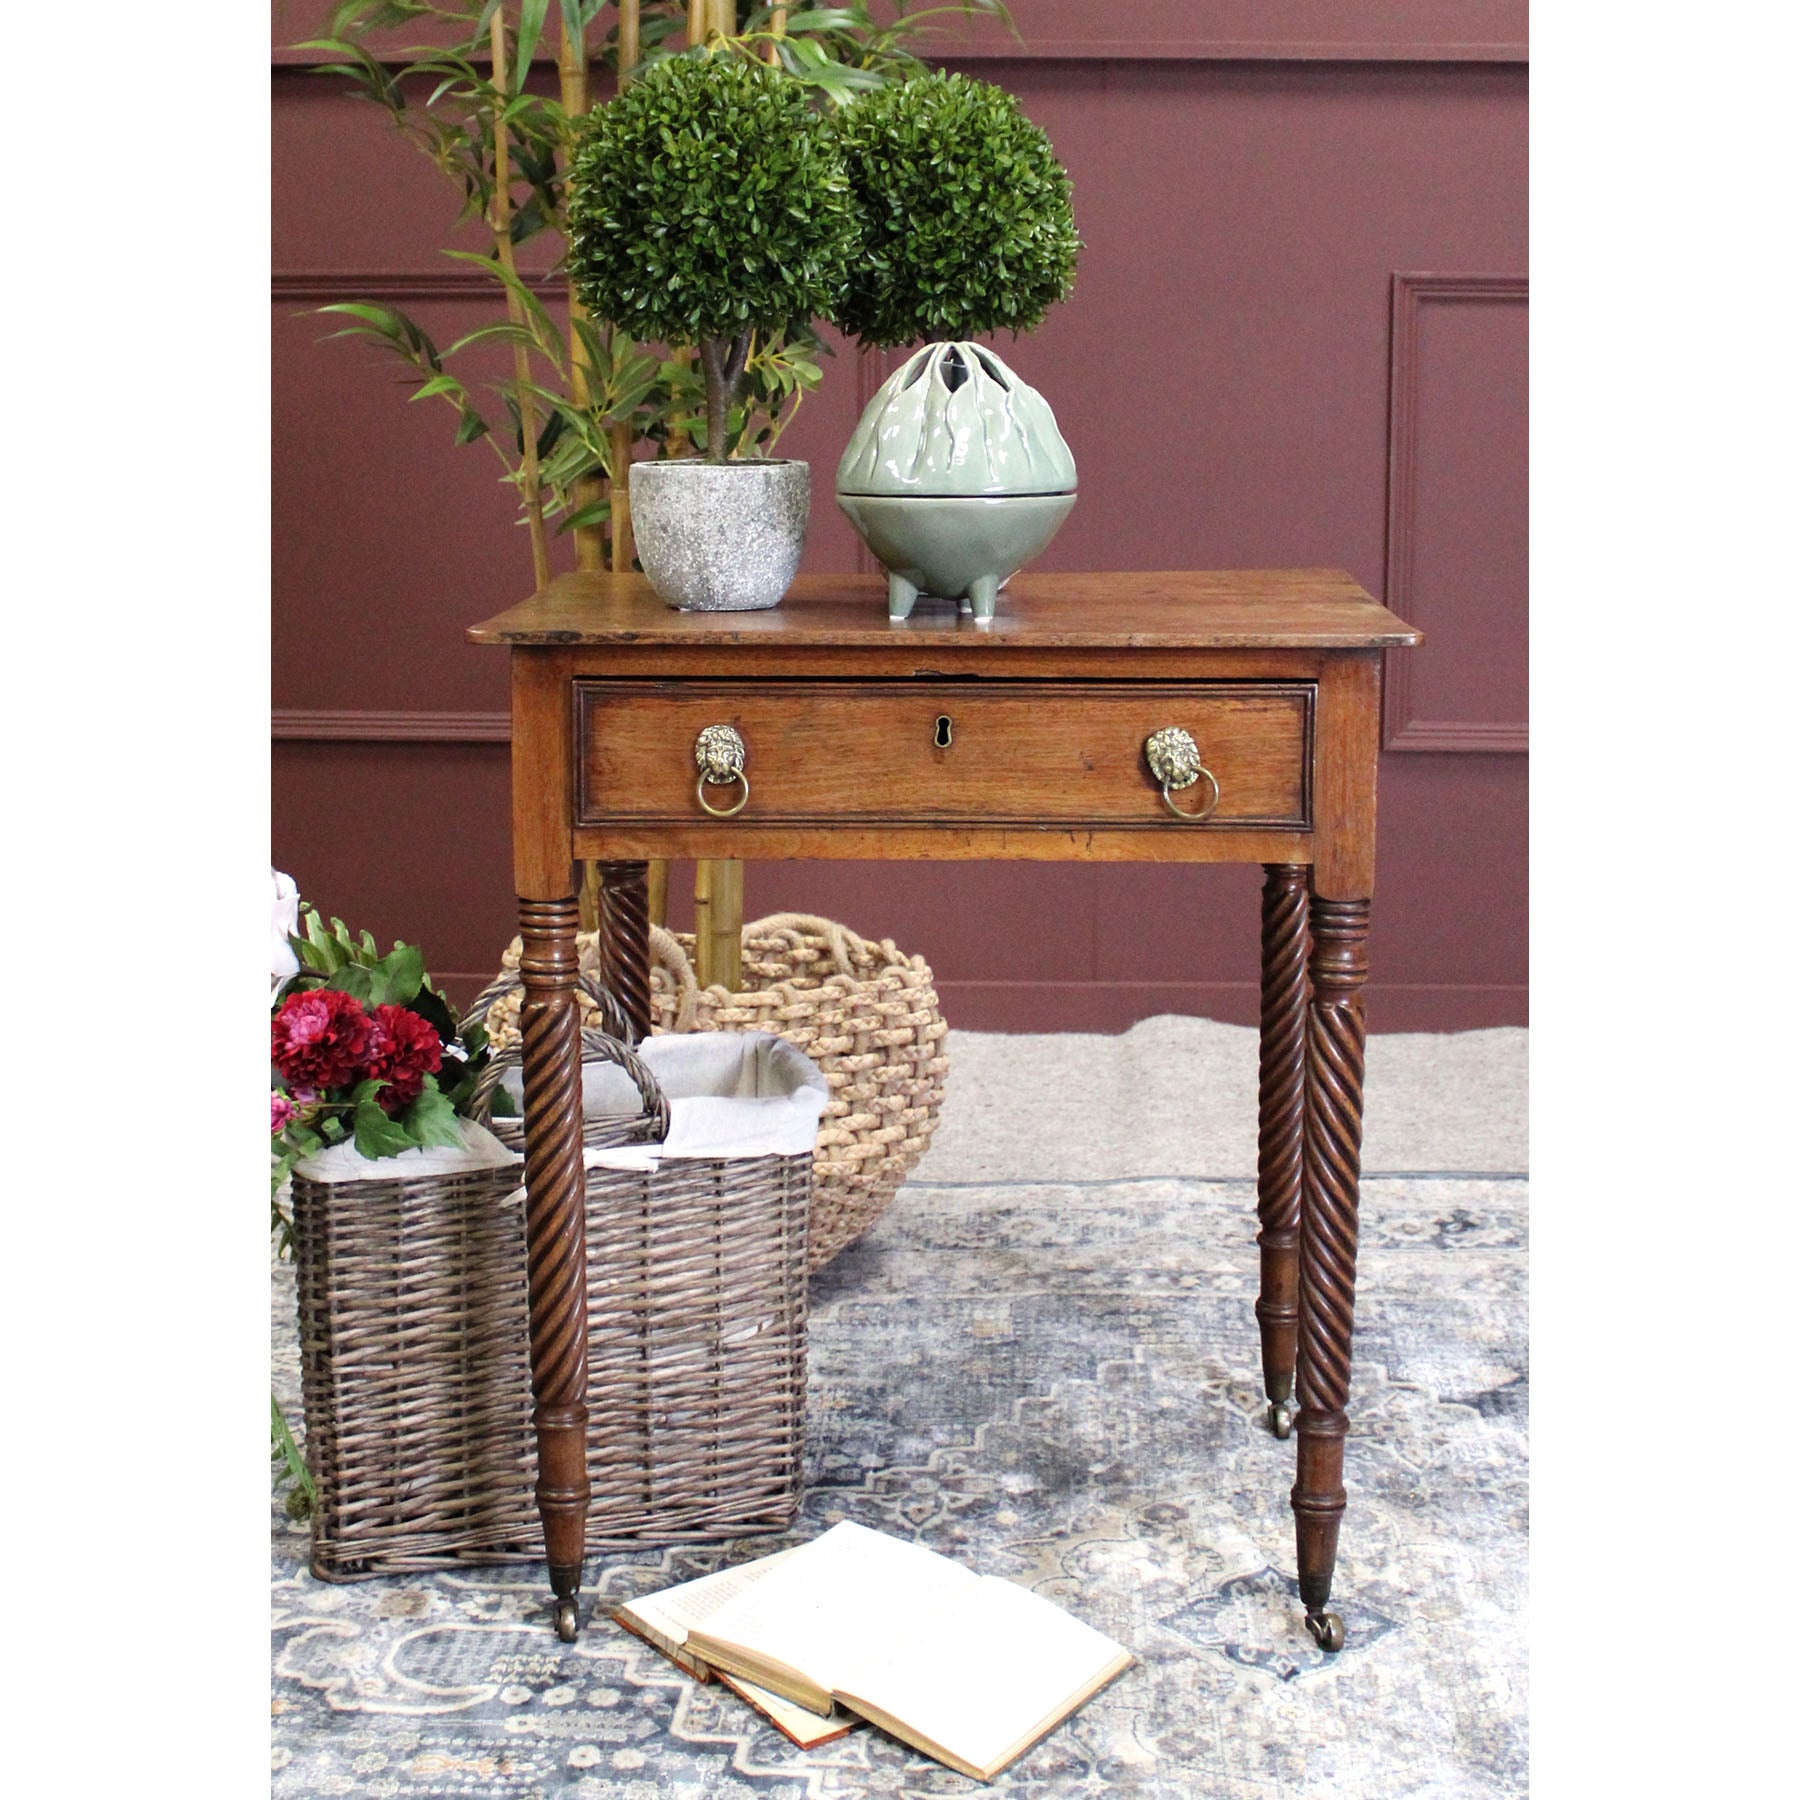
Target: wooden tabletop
{"x":1248,"y":609}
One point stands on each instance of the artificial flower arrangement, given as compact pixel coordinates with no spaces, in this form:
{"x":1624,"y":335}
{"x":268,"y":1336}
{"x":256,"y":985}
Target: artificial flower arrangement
{"x":361,"y":1048}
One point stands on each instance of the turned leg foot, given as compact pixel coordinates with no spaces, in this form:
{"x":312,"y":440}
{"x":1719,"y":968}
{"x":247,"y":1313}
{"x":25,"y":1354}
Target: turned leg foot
{"x":1331,"y":1172}
{"x":555,"y":1238}
{"x":984,"y":594}
{"x":1280,"y":1121}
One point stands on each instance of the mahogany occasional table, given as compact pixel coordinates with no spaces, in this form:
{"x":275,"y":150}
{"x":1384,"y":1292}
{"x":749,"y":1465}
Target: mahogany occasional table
{"x":1098,"y":718}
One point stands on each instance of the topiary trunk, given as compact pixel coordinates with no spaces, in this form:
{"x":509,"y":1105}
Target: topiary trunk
{"x":723,"y":360}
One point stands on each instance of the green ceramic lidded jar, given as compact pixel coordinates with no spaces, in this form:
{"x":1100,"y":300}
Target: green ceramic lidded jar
{"x":955,"y":477}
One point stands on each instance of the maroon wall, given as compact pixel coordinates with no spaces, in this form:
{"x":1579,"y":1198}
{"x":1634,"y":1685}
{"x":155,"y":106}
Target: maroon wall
{"x":1297,"y":337}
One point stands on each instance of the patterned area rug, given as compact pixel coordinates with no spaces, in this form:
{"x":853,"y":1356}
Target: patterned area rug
{"x":1054,"y":1381}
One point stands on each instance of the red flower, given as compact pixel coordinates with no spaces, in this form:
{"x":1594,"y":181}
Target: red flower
{"x":281,"y":1114}
{"x":403,"y":1050}
{"x":318,"y":1038}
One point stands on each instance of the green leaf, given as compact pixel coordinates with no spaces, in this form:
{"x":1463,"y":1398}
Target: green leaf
{"x":377,"y":1135}
{"x":596,"y":514}
{"x":438,"y":384}
{"x":304,"y":1140}
{"x":434,"y":1009}
{"x":353,"y":980}
{"x":531,"y":26}
{"x":470,"y":426}
{"x":284,"y":1450}
{"x":397,"y":977}
{"x":432,"y":1119}
{"x":546,"y":339}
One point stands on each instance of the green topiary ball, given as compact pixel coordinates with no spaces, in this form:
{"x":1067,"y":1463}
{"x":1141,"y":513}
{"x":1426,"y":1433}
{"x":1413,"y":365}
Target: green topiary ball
{"x":965,"y":213}
{"x":707,"y":199}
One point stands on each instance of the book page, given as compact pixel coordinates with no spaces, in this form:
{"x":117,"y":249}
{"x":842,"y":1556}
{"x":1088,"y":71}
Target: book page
{"x":795,"y":1723}
{"x":998,"y":1667}
{"x":834,"y":1599}
{"x":675,"y":1611}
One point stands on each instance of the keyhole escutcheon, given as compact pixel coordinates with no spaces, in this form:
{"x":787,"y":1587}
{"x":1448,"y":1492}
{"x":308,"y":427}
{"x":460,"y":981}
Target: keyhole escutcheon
{"x":941,"y":735}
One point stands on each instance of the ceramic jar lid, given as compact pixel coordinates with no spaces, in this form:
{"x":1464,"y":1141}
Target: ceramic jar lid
{"x":953,"y":419}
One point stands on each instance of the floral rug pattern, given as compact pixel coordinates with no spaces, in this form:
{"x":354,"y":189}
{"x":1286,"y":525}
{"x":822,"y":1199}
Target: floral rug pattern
{"x":1057,"y":1383}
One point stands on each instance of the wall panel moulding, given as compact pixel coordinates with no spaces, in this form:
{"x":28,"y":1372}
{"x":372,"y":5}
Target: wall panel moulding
{"x":320,"y":287}
{"x":1445,"y":31}
{"x":1456,"y":522}
{"x":361,"y":725}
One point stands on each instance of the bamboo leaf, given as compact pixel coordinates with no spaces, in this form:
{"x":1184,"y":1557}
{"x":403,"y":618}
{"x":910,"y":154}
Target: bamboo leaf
{"x":531,"y":27}
{"x":505,"y":332}
{"x":546,"y":338}
{"x":596,"y":514}
{"x":438,"y":384}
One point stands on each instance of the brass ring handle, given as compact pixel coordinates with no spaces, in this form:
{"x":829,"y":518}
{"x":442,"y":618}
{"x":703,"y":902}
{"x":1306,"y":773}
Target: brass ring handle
{"x":1174,"y":760}
{"x":719,"y":751}
{"x":723,"y":812}
{"x":1194,"y":818}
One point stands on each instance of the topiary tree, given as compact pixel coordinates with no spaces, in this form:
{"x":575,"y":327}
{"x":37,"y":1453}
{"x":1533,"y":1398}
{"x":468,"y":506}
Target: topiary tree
{"x":966,"y":221}
{"x":707,"y":203}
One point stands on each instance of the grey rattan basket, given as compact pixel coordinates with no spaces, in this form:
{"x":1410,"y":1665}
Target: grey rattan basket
{"x":416,"y":1374}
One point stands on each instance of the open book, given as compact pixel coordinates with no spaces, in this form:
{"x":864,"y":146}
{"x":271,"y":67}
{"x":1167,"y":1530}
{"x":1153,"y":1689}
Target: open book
{"x":665,"y":1619}
{"x":969,"y":1669}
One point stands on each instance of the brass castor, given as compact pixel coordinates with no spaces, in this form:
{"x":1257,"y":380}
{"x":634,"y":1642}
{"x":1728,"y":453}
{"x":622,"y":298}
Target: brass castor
{"x":1327,"y":1630}
{"x":569,"y":1631}
{"x":1281,"y":1418}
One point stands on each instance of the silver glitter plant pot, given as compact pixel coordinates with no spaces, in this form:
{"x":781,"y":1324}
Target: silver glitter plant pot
{"x":720,"y":537}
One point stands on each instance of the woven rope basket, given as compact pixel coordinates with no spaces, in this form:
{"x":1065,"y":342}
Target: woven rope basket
{"x":865,"y":1012}
{"x":415,"y":1368}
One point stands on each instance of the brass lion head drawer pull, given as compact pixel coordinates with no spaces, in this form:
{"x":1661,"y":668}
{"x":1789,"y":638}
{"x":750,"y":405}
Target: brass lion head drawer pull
{"x":719,"y":752}
{"x":1174,"y":760}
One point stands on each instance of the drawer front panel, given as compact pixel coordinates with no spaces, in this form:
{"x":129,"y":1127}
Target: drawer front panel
{"x":1019,"y":753}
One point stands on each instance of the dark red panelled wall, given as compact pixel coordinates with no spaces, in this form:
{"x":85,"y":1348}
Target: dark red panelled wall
{"x":1298,"y":337}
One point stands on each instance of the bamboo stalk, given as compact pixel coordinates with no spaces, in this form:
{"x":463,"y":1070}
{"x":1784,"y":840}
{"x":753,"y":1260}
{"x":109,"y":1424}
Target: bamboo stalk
{"x":620,"y":436}
{"x":500,"y":220}
{"x":572,"y":71}
{"x":587,"y":900}
{"x":630,"y":40}
{"x":718,"y":923}
{"x":777,"y":28}
{"x":699,"y":26}
{"x":656,"y":885}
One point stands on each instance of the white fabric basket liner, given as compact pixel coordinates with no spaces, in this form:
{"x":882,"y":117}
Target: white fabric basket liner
{"x":730,"y":1093}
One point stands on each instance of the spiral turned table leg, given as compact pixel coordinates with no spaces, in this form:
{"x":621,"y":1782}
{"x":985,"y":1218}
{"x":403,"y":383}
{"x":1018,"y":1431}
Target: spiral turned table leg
{"x":1328,"y":1199}
{"x":556,"y":1246}
{"x":625,"y":939}
{"x":1280,"y":1116}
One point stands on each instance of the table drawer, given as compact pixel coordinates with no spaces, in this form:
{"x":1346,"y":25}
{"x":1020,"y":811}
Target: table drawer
{"x":873,"y":752}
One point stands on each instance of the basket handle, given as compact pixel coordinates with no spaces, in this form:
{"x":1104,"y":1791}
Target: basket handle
{"x":612,"y":1015}
{"x":596,"y":1046}
{"x":668,"y":954}
{"x":837,"y":937}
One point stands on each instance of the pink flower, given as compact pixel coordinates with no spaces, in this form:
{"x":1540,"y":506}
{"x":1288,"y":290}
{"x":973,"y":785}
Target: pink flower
{"x":281,"y":1113}
{"x":318,"y":1038}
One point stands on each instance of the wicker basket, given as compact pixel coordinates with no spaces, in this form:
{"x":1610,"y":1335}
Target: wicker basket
{"x":416,"y":1374}
{"x":866,"y":1013}
{"x":603,"y":1024}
